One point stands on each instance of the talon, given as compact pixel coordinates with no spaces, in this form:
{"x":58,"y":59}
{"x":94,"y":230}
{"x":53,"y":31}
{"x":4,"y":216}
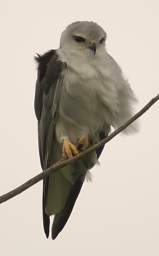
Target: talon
{"x":69,"y":150}
{"x":83,"y":143}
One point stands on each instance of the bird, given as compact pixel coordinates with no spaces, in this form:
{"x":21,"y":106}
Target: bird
{"x":80,"y":95}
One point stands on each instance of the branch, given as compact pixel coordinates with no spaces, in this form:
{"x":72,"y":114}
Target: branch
{"x":61,"y":164}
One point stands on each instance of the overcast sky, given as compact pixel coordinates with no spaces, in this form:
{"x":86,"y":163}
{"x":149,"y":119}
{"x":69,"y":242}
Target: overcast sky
{"x":117,"y":214}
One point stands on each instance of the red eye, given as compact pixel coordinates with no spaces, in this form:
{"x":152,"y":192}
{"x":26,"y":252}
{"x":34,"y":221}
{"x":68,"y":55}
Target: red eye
{"x":79,"y":39}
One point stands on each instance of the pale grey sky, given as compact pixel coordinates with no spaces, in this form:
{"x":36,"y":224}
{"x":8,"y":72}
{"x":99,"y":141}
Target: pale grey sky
{"x":117,"y":214}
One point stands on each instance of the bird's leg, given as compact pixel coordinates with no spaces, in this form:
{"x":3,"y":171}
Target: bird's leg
{"x":83,"y":143}
{"x":69,"y":150}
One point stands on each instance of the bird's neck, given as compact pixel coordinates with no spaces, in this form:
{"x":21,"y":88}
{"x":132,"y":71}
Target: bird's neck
{"x":77,"y":57}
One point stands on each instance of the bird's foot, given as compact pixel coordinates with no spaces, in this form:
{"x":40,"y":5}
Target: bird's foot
{"x":68,"y":150}
{"x":82,"y":143}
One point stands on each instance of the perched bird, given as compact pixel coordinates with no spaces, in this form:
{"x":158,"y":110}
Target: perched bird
{"x":80,"y":94}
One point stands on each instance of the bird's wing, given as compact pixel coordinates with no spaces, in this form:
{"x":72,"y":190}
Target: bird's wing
{"x":48,"y":87}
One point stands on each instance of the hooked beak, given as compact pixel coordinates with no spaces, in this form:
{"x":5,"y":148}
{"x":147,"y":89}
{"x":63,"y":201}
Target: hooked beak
{"x":93,"y":47}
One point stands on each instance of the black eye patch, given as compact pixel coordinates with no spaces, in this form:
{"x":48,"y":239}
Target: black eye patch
{"x":102,"y":40}
{"x":79,"y":39}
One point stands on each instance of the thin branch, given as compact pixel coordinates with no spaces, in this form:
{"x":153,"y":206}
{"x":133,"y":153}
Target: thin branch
{"x":61,"y":164}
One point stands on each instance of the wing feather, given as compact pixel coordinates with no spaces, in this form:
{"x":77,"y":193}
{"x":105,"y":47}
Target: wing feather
{"x":47,"y":94}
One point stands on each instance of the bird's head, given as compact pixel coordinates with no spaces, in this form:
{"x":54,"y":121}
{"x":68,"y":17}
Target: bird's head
{"x":83,"y":36}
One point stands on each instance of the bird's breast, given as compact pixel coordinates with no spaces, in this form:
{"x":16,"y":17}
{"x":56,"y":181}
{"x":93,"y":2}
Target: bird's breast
{"x":81,"y":104}
{"x":86,"y":98}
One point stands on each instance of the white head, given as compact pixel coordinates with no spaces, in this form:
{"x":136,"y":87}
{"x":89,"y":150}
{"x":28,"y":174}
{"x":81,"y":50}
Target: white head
{"x":83,"y":36}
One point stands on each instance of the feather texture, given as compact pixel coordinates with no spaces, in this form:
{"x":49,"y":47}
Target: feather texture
{"x":80,"y":91}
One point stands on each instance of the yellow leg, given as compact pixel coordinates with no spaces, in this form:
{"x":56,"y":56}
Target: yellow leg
{"x":69,"y":150}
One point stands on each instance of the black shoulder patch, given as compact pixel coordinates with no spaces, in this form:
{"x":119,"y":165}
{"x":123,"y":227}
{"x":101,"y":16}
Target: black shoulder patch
{"x":42,"y":61}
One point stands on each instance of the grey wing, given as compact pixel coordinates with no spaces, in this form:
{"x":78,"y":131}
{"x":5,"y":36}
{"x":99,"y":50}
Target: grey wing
{"x":47,"y":92}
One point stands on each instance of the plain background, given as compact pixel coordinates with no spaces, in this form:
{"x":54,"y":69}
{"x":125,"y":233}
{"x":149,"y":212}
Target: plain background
{"x":118,"y":213}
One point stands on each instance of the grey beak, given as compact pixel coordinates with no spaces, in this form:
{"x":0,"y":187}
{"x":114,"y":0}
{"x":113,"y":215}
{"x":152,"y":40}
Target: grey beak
{"x":93,"y":47}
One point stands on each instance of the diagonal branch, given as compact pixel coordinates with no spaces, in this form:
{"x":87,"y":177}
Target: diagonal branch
{"x":61,"y":164}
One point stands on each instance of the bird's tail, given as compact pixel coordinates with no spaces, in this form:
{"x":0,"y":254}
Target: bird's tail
{"x":61,"y":218}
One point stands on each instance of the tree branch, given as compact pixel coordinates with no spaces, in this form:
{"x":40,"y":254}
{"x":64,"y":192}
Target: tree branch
{"x":61,"y":164}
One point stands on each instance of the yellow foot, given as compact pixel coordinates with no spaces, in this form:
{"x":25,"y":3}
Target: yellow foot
{"x":83,"y":143}
{"x":69,"y":150}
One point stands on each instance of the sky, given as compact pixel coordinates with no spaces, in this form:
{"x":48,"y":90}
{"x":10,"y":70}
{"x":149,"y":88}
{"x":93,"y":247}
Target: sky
{"x":118,"y":213}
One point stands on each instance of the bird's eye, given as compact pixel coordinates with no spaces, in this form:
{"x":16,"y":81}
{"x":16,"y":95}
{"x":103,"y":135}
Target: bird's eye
{"x":79,"y":39}
{"x":102,"y":40}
